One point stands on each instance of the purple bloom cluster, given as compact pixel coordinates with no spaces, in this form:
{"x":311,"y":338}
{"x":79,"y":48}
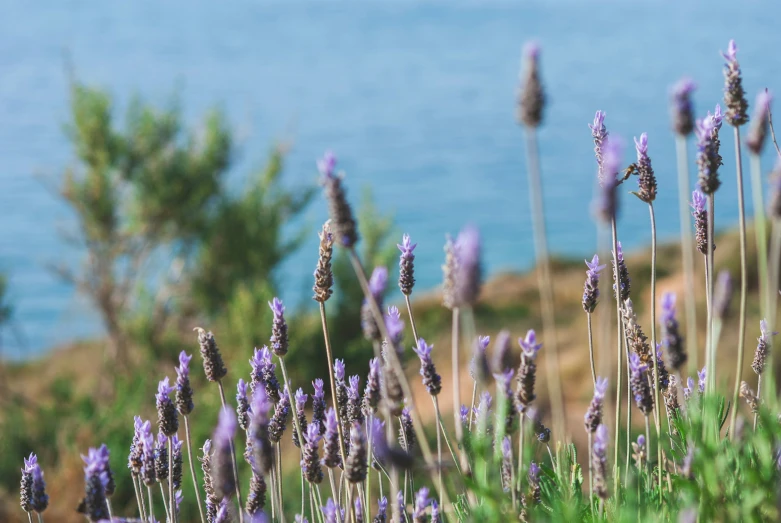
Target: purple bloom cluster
{"x":606,"y":206}
{"x":184,"y":392}
{"x":671,"y":336}
{"x":593,"y":416}
{"x":166,"y":411}
{"x":757,"y":133}
{"x":33,"y":497}
{"x":377,"y":283}
{"x":431,"y":379}
{"x":646,"y":178}
{"x":734,"y":95}
{"x":700,"y":215}
{"x":591,"y":287}
{"x":599,"y":133}
{"x":599,"y":461}
{"x":682,"y":111}
{"x":640,"y":386}
{"x":339,"y":209}
{"x":279,"y":341}
{"x":264,"y":373}
{"x":763,"y":347}
{"x":708,"y":157}
{"x":406,"y":265}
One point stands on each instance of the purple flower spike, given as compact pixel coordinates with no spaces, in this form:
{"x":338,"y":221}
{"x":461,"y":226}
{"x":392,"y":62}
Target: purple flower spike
{"x":593,"y":416}
{"x":422,"y":501}
{"x":279,"y":340}
{"x":327,"y":164}
{"x":431,"y":379}
{"x":330,"y":512}
{"x":599,"y":460}
{"x":166,"y":411}
{"x":222,"y":462}
{"x":394,"y":324}
{"x":682,"y":110}
{"x":531,"y":99}
{"x":734,"y":95}
{"x":591,"y":287}
{"x":702,"y":375}
{"x":763,"y":347}
{"x":639,"y":384}
{"x":377,"y":283}
{"x":339,"y":369}
{"x":468,"y":268}
{"x":700,"y":215}
{"x":708,"y":157}
{"x":606,"y":206}
{"x":406,"y":265}
{"x":599,"y":133}
{"x":759,"y":124}
{"x":183,"y":370}
{"x":529,"y":344}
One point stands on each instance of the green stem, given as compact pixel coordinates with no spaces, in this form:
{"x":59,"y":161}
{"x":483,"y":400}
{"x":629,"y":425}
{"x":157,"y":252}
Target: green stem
{"x":192,"y":467}
{"x":545,"y":283}
{"x":743,"y":282}
{"x":171,"y":497}
{"x":149,"y":499}
{"x":141,"y":512}
{"x":759,"y":396}
{"x":616,"y":279}
{"x":711,"y":361}
{"x":591,"y":351}
{"x":687,"y":250}
{"x":233,"y":457}
{"x":657,"y":405}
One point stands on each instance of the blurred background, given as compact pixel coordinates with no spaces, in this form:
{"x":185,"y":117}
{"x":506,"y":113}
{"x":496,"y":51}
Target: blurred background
{"x":157,"y":166}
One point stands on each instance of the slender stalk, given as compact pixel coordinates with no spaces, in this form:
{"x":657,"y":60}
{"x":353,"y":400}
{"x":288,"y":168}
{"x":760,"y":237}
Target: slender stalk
{"x":425,"y":449}
{"x":759,"y":395}
{"x":108,"y":506}
{"x":280,"y":500}
{"x":628,"y":403}
{"x":590,"y":475}
{"x":330,"y":358}
{"x":648,"y":446}
{"x":233,"y":458}
{"x":521,"y":431}
{"x":711,"y":382}
{"x":272,"y":486}
{"x":619,"y":337}
{"x":411,"y":318}
{"x":457,"y":378}
{"x":141,"y":513}
{"x":171,"y":497}
{"x":545,"y":283}
{"x":40,"y":516}
{"x":775,"y":267}
{"x":165,"y":505}
{"x":320,"y":503}
{"x":30,"y":517}
{"x":687,"y":251}
{"x":760,"y":230}
{"x":192,"y":467}
{"x":439,"y":447}
{"x":657,"y":407}
{"x":151,"y":507}
{"x":591,"y":351}
{"x":743,"y":282}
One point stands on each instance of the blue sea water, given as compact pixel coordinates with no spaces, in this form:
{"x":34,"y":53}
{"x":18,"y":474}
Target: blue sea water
{"x":417,"y":99}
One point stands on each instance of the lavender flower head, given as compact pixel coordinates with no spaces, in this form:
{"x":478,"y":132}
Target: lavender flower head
{"x":502,"y":356}
{"x":382,"y":510}
{"x":354,"y":412}
{"x":623,"y":274}
{"x":371,"y":393}
{"x":264,"y":373}
{"x":223,"y":515}
{"x":759,"y":124}
{"x":166,"y":411}
{"x":406,"y":265}
{"x":708,"y":157}
{"x":688,"y":389}
{"x":136,"y":455}
{"x":222,"y":462}
{"x":639,"y":383}
{"x":763,"y":347}
{"x":531,"y":99}
{"x":279,"y":341}
{"x":278,"y":423}
{"x":331,"y":512}
{"x":242,"y":404}
{"x":148,"y":473}
{"x":422,"y":501}
{"x":184,"y":392}
{"x":507,"y":464}
{"x":300,"y":399}
{"x":671,"y":336}
{"x":646,"y":177}
{"x":535,"y":491}
{"x":702,"y":375}
{"x":161,"y":458}
{"x":436,"y":517}
{"x":591,"y":287}
{"x":682,"y":111}
{"x":406,"y":430}
{"x":377,"y":283}
{"x":599,"y":133}
{"x":318,"y":405}
{"x":310,"y":461}
{"x":356,"y":464}
{"x":478,"y":367}
{"x":599,"y":460}
{"x":504,"y":387}
{"x":339,"y":209}
{"x":527,"y":371}
{"x":258,"y":434}
{"x":213,"y":365}
{"x":394,"y":325}
{"x":33,"y":487}
{"x":593,"y":416}
{"x":469,"y":270}
{"x":176,"y":451}
{"x":606,"y":205}
{"x":331,"y":456}
{"x":734,"y":95}
{"x":722,"y":295}
{"x":324,"y":276}
{"x":700,"y":215}
{"x":95,"y":503}
{"x":640,"y":452}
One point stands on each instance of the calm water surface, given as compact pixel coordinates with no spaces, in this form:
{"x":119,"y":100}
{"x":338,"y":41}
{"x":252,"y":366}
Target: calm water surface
{"x":417,"y":99}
